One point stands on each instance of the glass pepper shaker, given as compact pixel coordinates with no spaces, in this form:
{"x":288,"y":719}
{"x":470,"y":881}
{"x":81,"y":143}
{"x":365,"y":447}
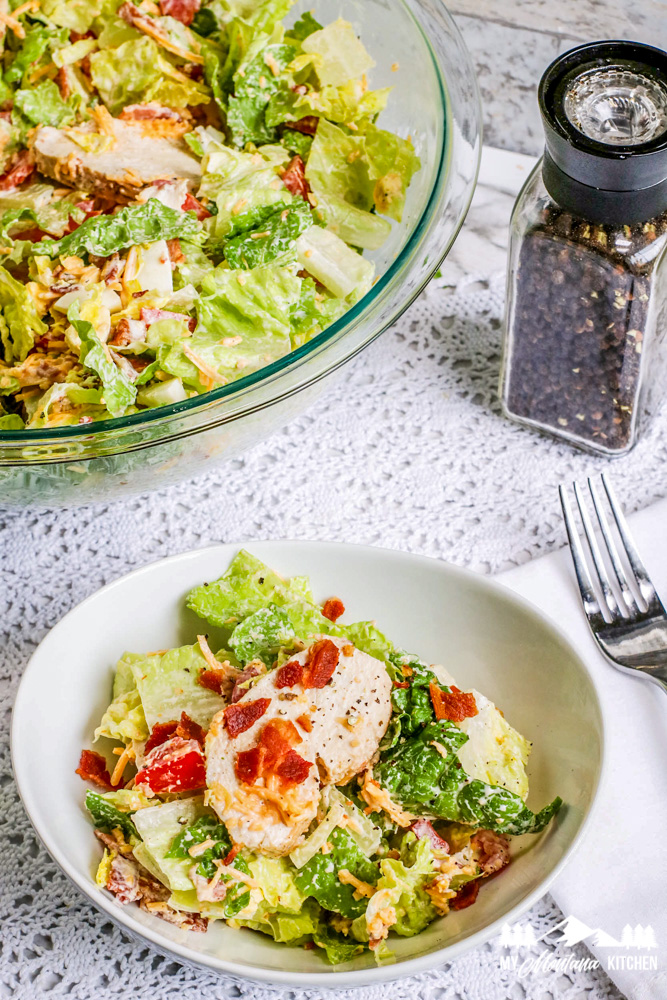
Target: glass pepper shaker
{"x":584,"y":355}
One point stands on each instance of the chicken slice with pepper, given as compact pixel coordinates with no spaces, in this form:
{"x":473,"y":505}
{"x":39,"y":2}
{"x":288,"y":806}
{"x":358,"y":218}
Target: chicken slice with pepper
{"x":316,"y":720}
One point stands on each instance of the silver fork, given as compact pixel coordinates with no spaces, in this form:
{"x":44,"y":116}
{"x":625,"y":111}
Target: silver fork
{"x":634,"y":638}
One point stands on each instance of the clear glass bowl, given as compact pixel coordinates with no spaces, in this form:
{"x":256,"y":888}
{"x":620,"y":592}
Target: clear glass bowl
{"x":420,"y":53}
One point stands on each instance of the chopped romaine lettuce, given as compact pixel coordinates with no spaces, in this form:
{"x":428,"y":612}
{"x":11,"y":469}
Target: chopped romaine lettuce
{"x":122,"y":75}
{"x":106,"y":816}
{"x":400,"y":889}
{"x":260,"y":635}
{"x":319,"y":877}
{"x":272,"y":236}
{"x":495,"y":753}
{"x":206,"y":828}
{"x":246,"y":586}
{"x":119,"y":392}
{"x":158,"y":827}
{"x":276,"y":880}
{"x":22,"y":323}
{"x":333,"y":263}
{"x":255,"y":82}
{"x":285,"y":927}
{"x":76,"y":15}
{"x":429,"y":779}
{"x":337,"y":947}
{"x":43,"y":105}
{"x":136,"y":224}
{"x":167,"y":685}
{"x":338,"y":55}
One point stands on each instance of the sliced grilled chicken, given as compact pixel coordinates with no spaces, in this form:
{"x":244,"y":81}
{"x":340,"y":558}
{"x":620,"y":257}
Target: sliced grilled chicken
{"x":131,"y":163}
{"x":336,"y":730}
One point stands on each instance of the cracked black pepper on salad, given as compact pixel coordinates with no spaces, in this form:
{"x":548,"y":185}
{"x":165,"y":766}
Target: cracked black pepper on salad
{"x":186,"y":192}
{"x":308,"y":780}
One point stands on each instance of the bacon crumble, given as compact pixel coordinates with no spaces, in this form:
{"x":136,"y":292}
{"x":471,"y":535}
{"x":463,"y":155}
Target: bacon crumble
{"x":242,"y":715}
{"x":333,"y":609}
{"x":93,"y":767}
{"x":454,"y":705}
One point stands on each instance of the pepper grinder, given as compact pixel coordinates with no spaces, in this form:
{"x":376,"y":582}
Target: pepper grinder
{"x":586,"y":313}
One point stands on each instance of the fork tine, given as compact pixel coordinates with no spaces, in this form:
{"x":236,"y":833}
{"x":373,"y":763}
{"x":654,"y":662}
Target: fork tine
{"x":646,"y":588}
{"x":591,"y":604}
{"x":600,"y":568}
{"x":626,"y":593}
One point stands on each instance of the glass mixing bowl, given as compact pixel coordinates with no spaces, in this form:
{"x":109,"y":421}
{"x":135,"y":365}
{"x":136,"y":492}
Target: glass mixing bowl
{"x":420,"y":53}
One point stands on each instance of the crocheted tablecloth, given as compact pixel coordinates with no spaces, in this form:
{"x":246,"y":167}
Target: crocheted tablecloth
{"x":424,"y":461}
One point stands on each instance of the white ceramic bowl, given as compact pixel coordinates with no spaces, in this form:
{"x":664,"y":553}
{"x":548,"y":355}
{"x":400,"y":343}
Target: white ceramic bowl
{"x":488,"y":639}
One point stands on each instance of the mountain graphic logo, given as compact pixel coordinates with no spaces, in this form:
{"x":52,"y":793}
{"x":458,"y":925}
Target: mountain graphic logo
{"x":572,"y":931}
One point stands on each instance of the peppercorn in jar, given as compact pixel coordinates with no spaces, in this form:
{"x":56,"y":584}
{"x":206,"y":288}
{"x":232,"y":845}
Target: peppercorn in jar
{"x":587,"y":290}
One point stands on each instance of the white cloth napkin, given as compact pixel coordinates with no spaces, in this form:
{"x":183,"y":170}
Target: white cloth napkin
{"x":618,"y":876}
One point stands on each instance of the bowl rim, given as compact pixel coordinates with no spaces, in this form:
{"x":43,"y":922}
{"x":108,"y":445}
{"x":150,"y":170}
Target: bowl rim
{"x":328,"y":979}
{"x":291,"y":361}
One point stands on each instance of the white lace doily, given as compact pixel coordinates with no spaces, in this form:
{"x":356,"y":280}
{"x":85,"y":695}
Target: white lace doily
{"x":422,"y":461}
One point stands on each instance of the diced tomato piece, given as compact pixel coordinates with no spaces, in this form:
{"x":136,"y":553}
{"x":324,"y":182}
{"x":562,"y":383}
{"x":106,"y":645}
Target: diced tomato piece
{"x":248,"y":765}
{"x":307,"y":125}
{"x":175,"y":766}
{"x":323,"y":660}
{"x":212,"y":680}
{"x":289,"y":674}
{"x":243,"y":715}
{"x":93,"y":767}
{"x":424,"y":830}
{"x":191,"y":204}
{"x":333,"y":609}
{"x":454,"y":705}
{"x":293,"y":769}
{"x":160,"y":733}
{"x":183,"y":10}
{"x":466,"y":895}
{"x":294,"y":178}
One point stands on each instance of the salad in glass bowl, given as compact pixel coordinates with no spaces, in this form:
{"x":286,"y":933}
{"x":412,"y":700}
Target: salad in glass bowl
{"x":186,"y":192}
{"x":309,"y":780}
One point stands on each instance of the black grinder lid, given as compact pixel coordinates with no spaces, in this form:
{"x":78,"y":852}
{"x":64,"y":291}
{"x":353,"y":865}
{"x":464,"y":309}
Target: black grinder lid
{"x":604,"y":110}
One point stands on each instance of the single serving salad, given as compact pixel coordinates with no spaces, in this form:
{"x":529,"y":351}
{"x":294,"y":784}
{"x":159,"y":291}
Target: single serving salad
{"x":308,"y":780}
{"x":186,"y":191}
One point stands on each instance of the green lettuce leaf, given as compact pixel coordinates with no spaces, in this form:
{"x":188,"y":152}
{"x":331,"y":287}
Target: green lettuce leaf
{"x":303,"y":27}
{"x":119,"y":392}
{"x":102,"y":235}
{"x":124,"y":719}
{"x":243,"y":324}
{"x":337,"y":947}
{"x":338,"y":54}
{"x":11,"y":422}
{"x":495,"y":753}
{"x":261,"y":635}
{"x":273,"y":236}
{"x":255,"y":83}
{"x":342,"y":271}
{"x":276,"y":879}
{"x":106,"y":816}
{"x":401,"y":887}
{"x":122,"y":75}
{"x":207,"y":827}
{"x":43,"y":105}
{"x":417,"y":775}
{"x":76,"y":15}
{"x":22,"y":324}
{"x":319,"y":876}
{"x":158,"y":827}
{"x":239,"y":182}
{"x":245,"y":587}
{"x":33,"y":47}
{"x":287,"y":928}
{"x":167,"y":685}
{"x":349,"y":103}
